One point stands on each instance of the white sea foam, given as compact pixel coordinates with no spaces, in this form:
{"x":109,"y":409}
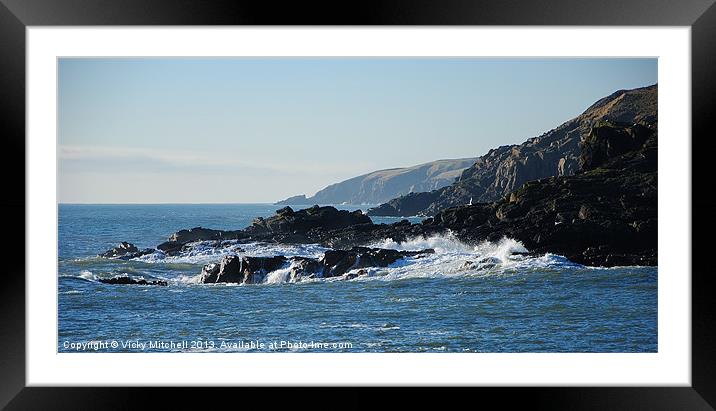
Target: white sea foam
{"x":88,"y":275}
{"x":205,"y":252}
{"x":452,"y":258}
{"x":282,"y":275}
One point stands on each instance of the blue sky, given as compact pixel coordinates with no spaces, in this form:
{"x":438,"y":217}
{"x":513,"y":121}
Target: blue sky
{"x":244,"y":130}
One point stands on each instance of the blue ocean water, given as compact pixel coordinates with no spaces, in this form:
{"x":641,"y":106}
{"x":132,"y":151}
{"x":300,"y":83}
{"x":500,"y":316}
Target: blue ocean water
{"x":461,"y":299}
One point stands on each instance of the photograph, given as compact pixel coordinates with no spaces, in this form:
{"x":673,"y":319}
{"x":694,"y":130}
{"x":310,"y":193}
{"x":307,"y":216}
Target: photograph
{"x":357,"y":204}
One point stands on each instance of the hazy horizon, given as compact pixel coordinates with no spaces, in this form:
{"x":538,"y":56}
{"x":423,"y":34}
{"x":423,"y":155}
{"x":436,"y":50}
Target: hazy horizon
{"x":258,"y":130}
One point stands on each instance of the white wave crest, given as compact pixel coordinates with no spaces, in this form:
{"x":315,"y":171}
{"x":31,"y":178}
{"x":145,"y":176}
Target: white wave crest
{"x":282,"y":275}
{"x":452,"y":258}
{"x":88,"y":275}
{"x":205,"y":252}
{"x":445,"y":243}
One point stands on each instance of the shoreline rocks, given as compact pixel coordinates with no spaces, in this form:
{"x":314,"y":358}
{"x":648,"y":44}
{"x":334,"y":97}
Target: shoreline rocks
{"x":334,"y":263}
{"x":127,"y":280}
{"x":241,"y":270}
{"x":126,"y":251}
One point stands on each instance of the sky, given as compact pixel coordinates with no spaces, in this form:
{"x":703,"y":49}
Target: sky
{"x":252,"y":130}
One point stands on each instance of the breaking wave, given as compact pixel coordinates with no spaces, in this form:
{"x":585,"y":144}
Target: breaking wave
{"x":205,"y":252}
{"x":452,"y":259}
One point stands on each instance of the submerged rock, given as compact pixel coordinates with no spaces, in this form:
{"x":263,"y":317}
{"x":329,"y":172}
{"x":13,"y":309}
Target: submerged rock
{"x":126,"y":251}
{"x":127,"y":280}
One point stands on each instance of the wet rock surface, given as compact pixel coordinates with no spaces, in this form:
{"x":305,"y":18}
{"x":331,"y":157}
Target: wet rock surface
{"x":125,"y":251}
{"x":335,"y":263}
{"x":127,"y":280}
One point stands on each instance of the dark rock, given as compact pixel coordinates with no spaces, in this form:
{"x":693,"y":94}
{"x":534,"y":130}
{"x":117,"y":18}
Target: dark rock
{"x":305,"y":267}
{"x":199,"y":234}
{"x":605,"y":216}
{"x":286,"y":211}
{"x":338,"y":262}
{"x":177,"y":241}
{"x":246,"y":270}
{"x":126,"y":251}
{"x":170,"y":247}
{"x":251,"y":270}
{"x":609,"y":140}
{"x":126,"y":280}
{"x":298,"y":223}
{"x":408,"y":205}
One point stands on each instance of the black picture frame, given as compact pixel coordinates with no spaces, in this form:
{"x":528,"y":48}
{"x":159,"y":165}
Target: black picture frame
{"x":16,"y":15}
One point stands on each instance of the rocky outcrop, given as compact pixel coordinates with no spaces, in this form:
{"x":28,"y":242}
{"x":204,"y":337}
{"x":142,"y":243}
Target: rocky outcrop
{"x":127,"y":280}
{"x":604,"y":216}
{"x":125,"y":251}
{"x":241,"y":270}
{"x":410,"y":205}
{"x":335,"y":263}
{"x":177,"y":241}
{"x":339,"y":262}
{"x":291,"y":226}
{"x":609,"y":140}
{"x":504,"y":169}
{"x":383,"y":185}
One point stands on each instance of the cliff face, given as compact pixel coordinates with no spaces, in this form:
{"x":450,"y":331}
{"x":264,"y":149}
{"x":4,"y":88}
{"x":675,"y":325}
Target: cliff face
{"x":604,"y":215}
{"x":381,"y":186}
{"x":554,"y":153}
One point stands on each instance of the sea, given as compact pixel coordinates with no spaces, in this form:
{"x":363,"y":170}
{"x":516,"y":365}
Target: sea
{"x":465,"y":298}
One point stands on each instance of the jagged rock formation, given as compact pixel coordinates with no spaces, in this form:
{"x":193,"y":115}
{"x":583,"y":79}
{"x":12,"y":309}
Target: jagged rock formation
{"x":335,"y":263}
{"x":125,"y":251}
{"x":383,"y":185}
{"x":606,"y":215}
{"x":504,"y":169}
{"x":127,"y":280}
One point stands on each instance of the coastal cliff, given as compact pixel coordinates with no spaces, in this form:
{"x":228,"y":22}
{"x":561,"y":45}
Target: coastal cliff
{"x":504,"y":169}
{"x":383,"y":185}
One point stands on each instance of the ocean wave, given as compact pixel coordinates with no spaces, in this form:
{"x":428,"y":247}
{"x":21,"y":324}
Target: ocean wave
{"x":97,"y":277}
{"x":205,"y":252}
{"x":452,"y":259}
